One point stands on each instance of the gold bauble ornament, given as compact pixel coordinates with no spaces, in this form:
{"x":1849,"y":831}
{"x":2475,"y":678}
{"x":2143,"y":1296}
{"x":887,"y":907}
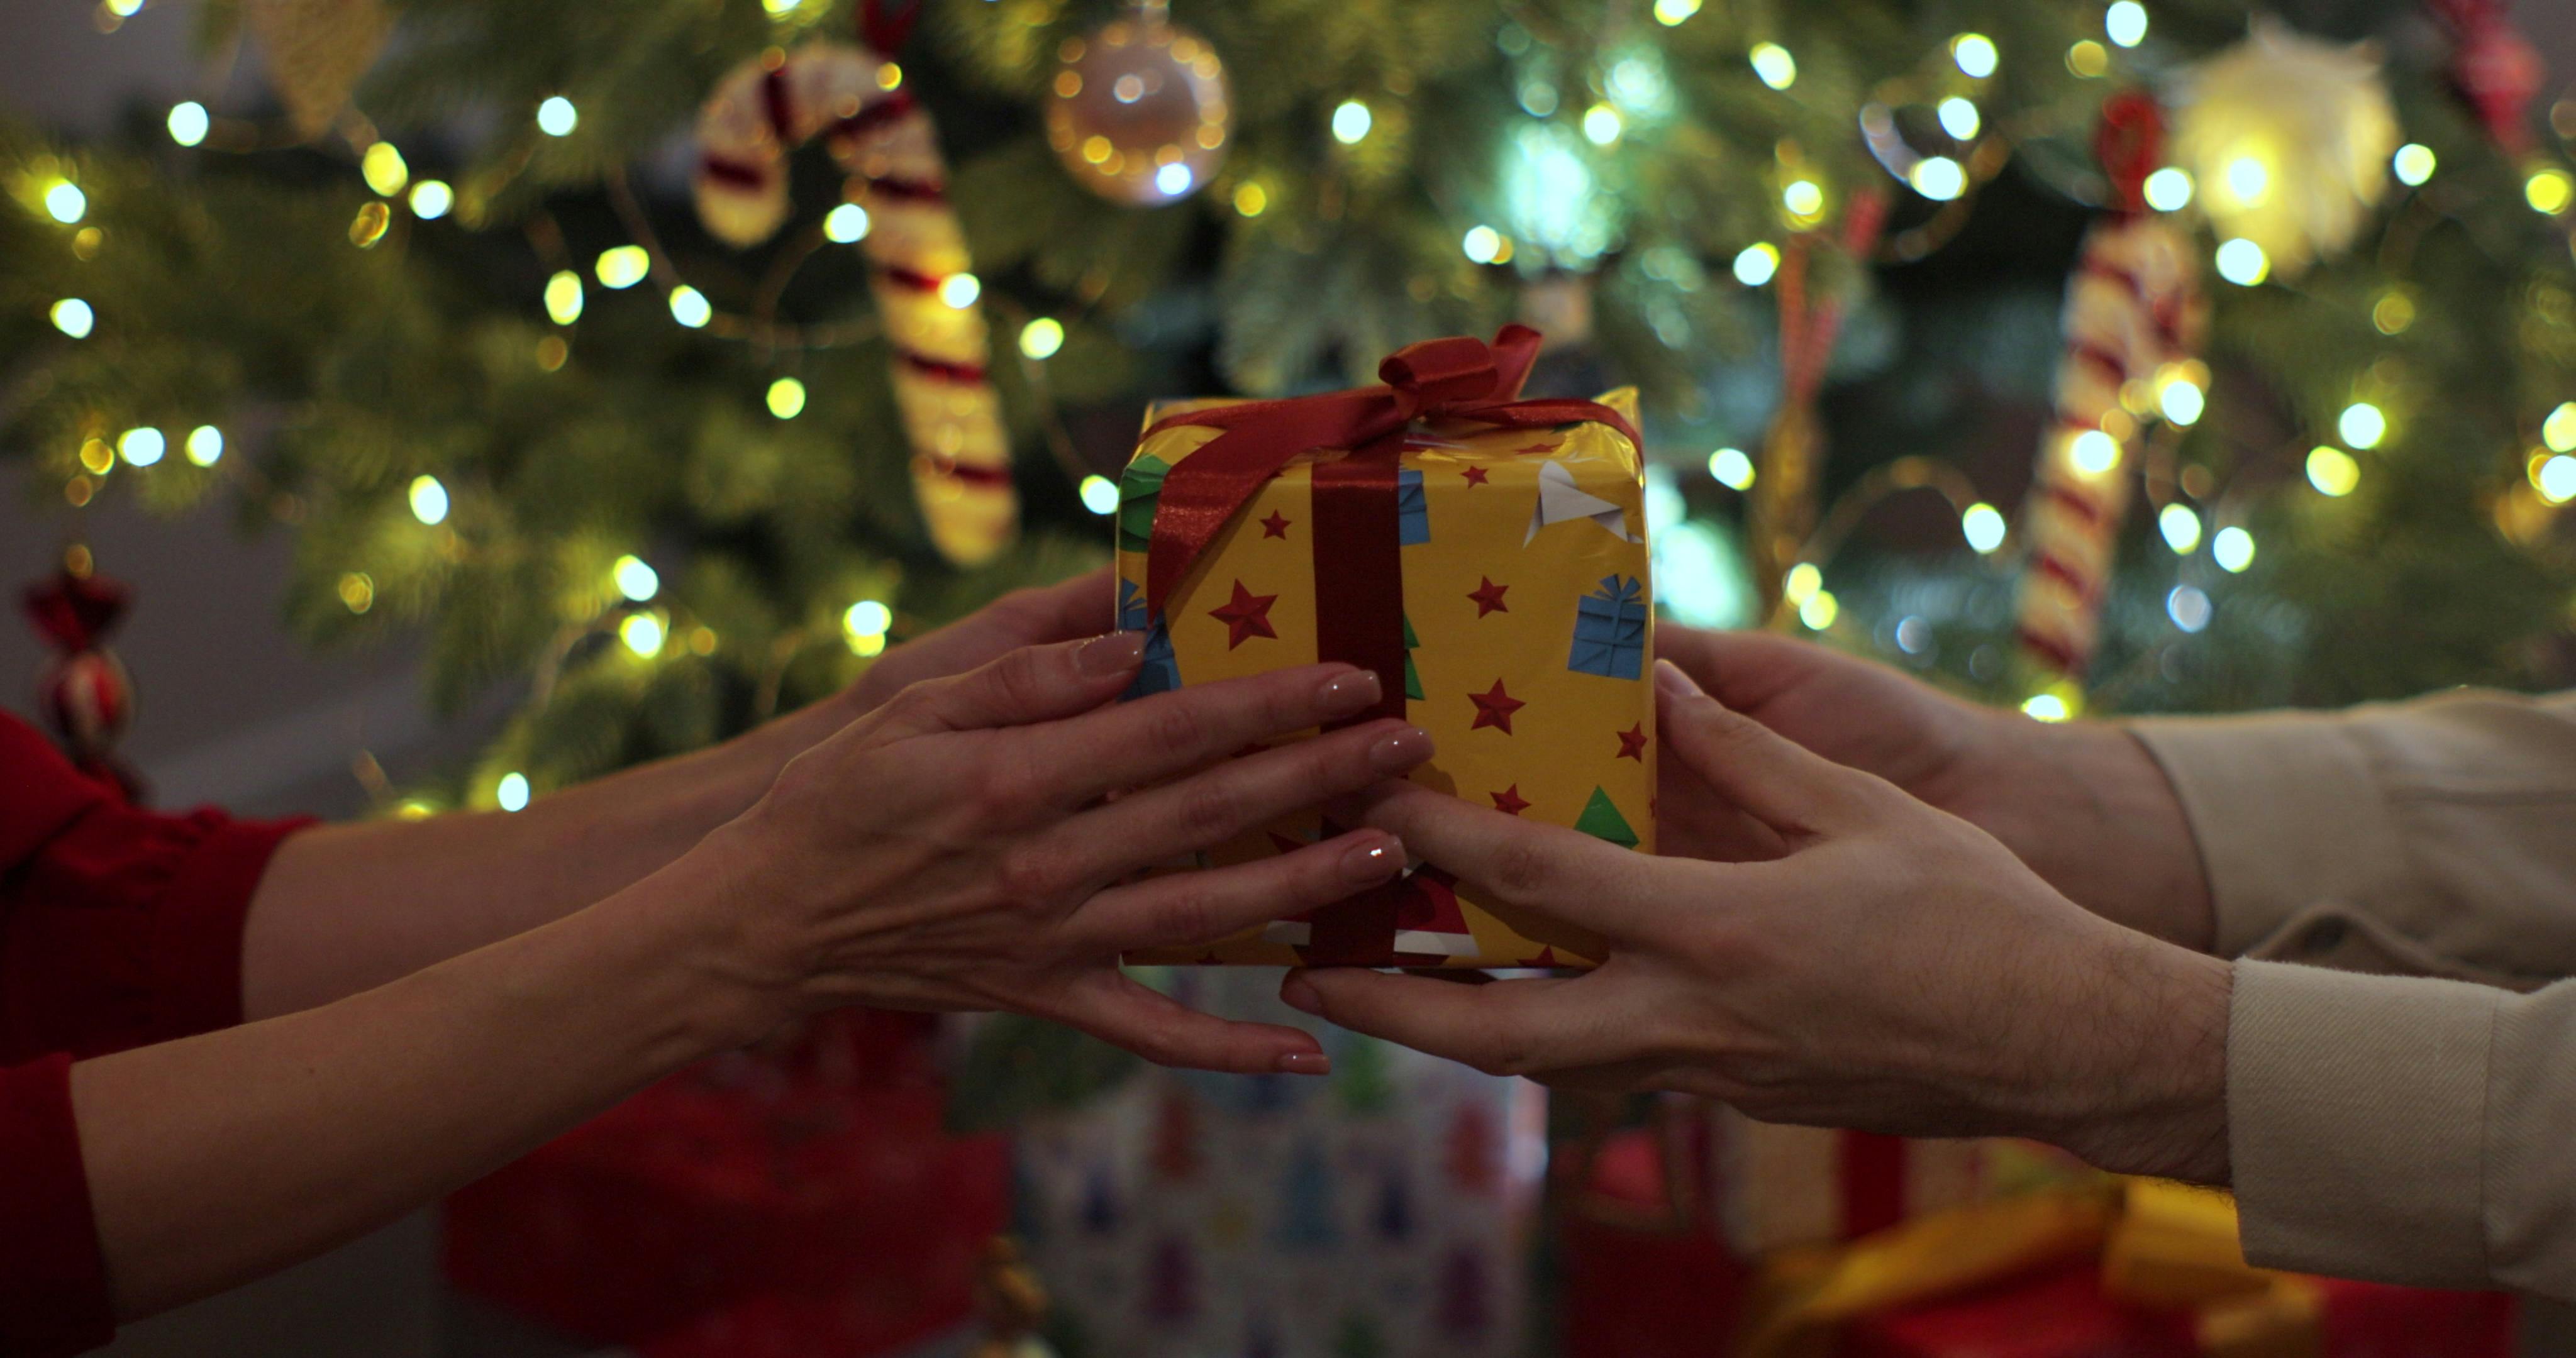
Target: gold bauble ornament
{"x":2288,"y":138}
{"x":1139,"y":112}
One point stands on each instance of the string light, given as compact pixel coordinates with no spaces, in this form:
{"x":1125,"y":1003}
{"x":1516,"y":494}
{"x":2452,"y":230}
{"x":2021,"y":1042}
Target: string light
{"x":642,"y":633}
{"x":2181,"y":528}
{"x":556,"y":117}
{"x":2232,"y":549}
{"x":2168,"y":189}
{"x":563,"y":297}
{"x":959,"y":290}
{"x":1731,"y":468}
{"x":141,"y":447}
{"x":2188,"y":607}
{"x":1041,"y":338}
{"x":370,"y":224}
{"x":2046,"y":707}
{"x":2394,"y":312}
{"x":428,"y":500}
{"x":2332,"y":470}
{"x":2093,"y":452}
{"x":2559,"y":430}
{"x":431,"y":198}
{"x":1099,"y":494}
{"x":512,"y":792}
{"x":1351,"y":122}
{"x":1802,"y":198}
{"x":1602,"y":125}
{"x":786,"y":398}
{"x":889,"y":76}
{"x":635,"y":579}
{"x":73,"y":317}
{"x":864,"y":626}
{"x":2249,"y":180}
{"x":1819,"y":611}
{"x":205,"y":445}
{"x":2413,"y":163}
{"x":2555,"y":478}
{"x":2088,"y":59}
{"x":2125,"y":23}
{"x":1251,"y":200}
{"x":621,"y":267}
{"x":2548,"y":191}
{"x":357,"y":591}
{"x":846,"y":224}
{"x":1959,"y":117}
{"x":2242,"y":262}
{"x":384,"y":169}
{"x":125,"y":9}
{"x":97,"y":456}
{"x":2181,"y":400}
{"x":1803,"y":582}
{"x":689,"y":307}
{"x":1984,"y":527}
{"x":1174,"y":179}
{"x":1671,"y":13}
{"x":1938,"y":178}
{"x":1773,"y":65}
{"x":65,"y":202}
{"x":1975,"y":54}
{"x":1755,"y":263}
{"x":2362,"y":425}
{"x":188,"y":122}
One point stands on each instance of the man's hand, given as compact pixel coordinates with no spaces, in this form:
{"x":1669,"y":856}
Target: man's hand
{"x":2082,"y":803}
{"x":1894,"y":968}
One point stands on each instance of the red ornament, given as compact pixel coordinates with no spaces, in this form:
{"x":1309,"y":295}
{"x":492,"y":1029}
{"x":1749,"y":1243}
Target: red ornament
{"x":1494,"y":708}
{"x":1245,"y":616}
{"x":1488,"y":597}
{"x":2496,"y":69}
{"x":85,"y":695}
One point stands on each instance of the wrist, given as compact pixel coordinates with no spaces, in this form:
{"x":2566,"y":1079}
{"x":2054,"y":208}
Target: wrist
{"x":732,"y":992}
{"x":2150,"y":1079}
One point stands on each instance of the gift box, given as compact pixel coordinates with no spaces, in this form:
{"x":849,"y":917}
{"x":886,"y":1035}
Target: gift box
{"x":1486,"y":556}
{"x":1779,"y":1187}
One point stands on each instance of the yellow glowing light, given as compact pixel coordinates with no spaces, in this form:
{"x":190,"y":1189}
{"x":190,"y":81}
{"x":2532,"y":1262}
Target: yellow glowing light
{"x":2362,"y":425}
{"x":1732,"y":468}
{"x":622,"y":266}
{"x":1482,"y":244}
{"x":370,"y":224}
{"x":1250,"y":200}
{"x":2413,"y":163}
{"x":1975,"y":54}
{"x":73,"y":317}
{"x":690,"y":307}
{"x":1099,"y":494}
{"x":1819,"y":611}
{"x":635,"y":579}
{"x":2232,"y":549}
{"x":428,"y":500}
{"x":1602,"y":125}
{"x":889,"y":76}
{"x":125,"y":9}
{"x":431,"y":198}
{"x":1803,"y":583}
{"x":1984,"y":527}
{"x":1938,"y":178}
{"x":1755,"y":263}
{"x":2181,"y":528}
{"x":1041,"y":338}
{"x":2394,"y":312}
{"x":189,"y":123}
{"x":959,"y":290}
{"x":2555,"y":479}
{"x":1773,"y":64}
{"x":2242,"y":262}
{"x":205,"y":445}
{"x":2332,"y":470}
{"x":786,"y":398}
{"x":2046,"y":707}
{"x":383,"y":168}
{"x":512,"y":793}
{"x":867,"y":620}
{"x":563,"y":297}
{"x":1351,"y":122}
{"x":556,"y":117}
{"x":2547,"y":191}
{"x":2249,"y":180}
{"x":97,"y":456}
{"x":551,"y":353}
{"x":2181,"y":401}
{"x":1959,"y":117}
{"x":357,"y":591}
{"x":2125,"y":23}
{"x":141,"y":447}
{"x":1672,"y":12}
{"x":66,"y":202}
{"x":2093,"y":452}
{"x":2088,"y":59}
{"x":2169,"y":189}
{"x":642,"y":633}
{"x":413,"y":808}
{"x":2559,"y":430}
{"x":702,"y":641}
{"x":1802,"y":198}
{"x":846,"y":224}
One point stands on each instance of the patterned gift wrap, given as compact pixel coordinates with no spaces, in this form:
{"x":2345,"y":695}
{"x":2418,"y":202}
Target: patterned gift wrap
{"x":1527,"y":632}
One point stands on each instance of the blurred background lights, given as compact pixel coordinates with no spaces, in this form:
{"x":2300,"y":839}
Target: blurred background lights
{"x":1099,"y":494}
{"x":846,"y":224}
{"x":635,"y":579}
{"x":786,"y":398}
{"x":2046,"y":707}
{"x":623,"y":266}
{"x":2413,"y":163}
{"x":642,"y":633}
{"x":1351,"y":122}
{"x":2088,"y":58}
{"x":141,"y":447}
{"x":960,"y":290}
{"x":1819,"y":611}
{"x":1601,"y":125}
{"x":1482,"y":244}
{"x":2559,"y":430}
{"x":689,"y":307}
{"x":864,"y":626}
{"x":2394,"y":312}
{"x":1802,"y":198}
{"x":1251,"y":200}
{"x":2181,"y":528}
{"x":2093,"y":452}
{"x":73,"y":317}
{"x":383,"y":168}
{"x":1802,"y":582}
{"x":2189,"y":608}
{"x":1041,"y":338}
{"x":2248,"y":180}
{"x":2232,"y":549}
{"x":1672,"y":12}
{"x":1755,"y":263}
{"x":1984,"y":527}
{"x":65,"y":202}
{"x":563,"y":297}
{"x":556,"y":117}
{"x":428,"y":500}
{"x":2242,"y":262}
{"x":2169,"y":189}
{"x":2362,"y":425}
{"x":1975,"y":54}
{"x":1732,"y":468}
{"x":1173,"y":180}
{"x":2547,"y":191}
{"x":2125,"y":23}
{"x":2332,"y":470}
{"x":431,"y":198}
{"x":188,"y":122}
{"x":357,"y":591}
{"x":205,"y":445}
{"x":1938,"y":178}
{"x":1959,"y":118}
{"x":2555,"y":479}
{"x":512,"y":794}
{"x":2181,"y":401}
{"x":1773,"y":64}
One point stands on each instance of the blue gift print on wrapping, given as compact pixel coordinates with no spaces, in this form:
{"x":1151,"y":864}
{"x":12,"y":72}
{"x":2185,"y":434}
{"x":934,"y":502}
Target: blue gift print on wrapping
{"x":1162,"y":671}
{"x":1412,"y":514}
{"x":1610,"y":630}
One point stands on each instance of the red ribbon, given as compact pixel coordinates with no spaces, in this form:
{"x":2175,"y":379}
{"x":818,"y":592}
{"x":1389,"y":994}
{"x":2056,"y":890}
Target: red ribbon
{"x":2129,"y":142}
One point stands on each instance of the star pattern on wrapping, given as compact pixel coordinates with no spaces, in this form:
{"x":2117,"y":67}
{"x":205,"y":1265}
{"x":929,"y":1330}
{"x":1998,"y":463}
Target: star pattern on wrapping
{"x":1245,"y":616}
{"x":1276,"y":526}
{"x":1488,"y":597}
{"x":1632,"y":743}
{"x":1509,"y":801}
{"x":1475,"y":476}
{"x":1494,"y":708}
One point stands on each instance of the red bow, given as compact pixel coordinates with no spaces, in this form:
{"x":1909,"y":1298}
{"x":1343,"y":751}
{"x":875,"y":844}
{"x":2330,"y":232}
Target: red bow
{"x":1460,"y":377}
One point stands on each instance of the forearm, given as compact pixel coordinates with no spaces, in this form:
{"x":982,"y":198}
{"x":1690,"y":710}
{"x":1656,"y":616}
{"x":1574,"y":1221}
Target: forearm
{"x":2099,"y":820}
{"x":348,"y":907}
{"x":215,"y":1159}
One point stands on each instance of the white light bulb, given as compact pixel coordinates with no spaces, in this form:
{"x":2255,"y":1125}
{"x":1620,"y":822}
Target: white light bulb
{"x":189,"y":123}
{"x":428,"y":500}
{"x":635,"y":579}
{"x":1984,"y":527}
{"x":1351,"y":122}
{"x":1099,"y":494}
{"x":556,"y":117}
{"x":141,"y":447}
{"x":205,"y":445}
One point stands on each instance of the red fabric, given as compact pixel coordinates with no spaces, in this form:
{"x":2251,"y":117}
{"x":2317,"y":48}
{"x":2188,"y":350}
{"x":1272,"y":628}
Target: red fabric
{"x":118,"y":928}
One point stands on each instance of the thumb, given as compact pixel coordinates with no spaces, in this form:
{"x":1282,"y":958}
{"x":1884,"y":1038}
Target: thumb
{"x":1032,"y":684}
{"x":1772,"y":778}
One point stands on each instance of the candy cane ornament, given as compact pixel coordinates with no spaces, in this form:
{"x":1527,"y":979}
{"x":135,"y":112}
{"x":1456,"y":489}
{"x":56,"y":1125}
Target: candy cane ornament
{"x":919,"y":269}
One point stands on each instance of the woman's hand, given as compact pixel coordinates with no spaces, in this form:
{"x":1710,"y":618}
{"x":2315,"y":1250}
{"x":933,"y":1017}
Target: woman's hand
{"x":1894,"y":968}
{"x":953,"y":849}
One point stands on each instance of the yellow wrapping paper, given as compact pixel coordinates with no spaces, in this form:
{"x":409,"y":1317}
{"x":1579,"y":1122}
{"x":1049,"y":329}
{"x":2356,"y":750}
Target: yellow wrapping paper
{"x":1529,"y":641}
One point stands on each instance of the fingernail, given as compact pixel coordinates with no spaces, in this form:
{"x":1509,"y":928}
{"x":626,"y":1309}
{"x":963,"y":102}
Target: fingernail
{"x":1348,"y":692}
{"x":1115,"y":653}
{"x":1305,"y":1063}
{"x":1674,"y":683}
{"x":1300,"y":994}
{"x":1397,"y":751}
{"x":1373,"y":861}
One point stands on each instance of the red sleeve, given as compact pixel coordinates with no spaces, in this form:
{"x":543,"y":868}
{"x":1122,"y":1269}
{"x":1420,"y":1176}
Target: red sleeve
{"x":118,"y":928}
